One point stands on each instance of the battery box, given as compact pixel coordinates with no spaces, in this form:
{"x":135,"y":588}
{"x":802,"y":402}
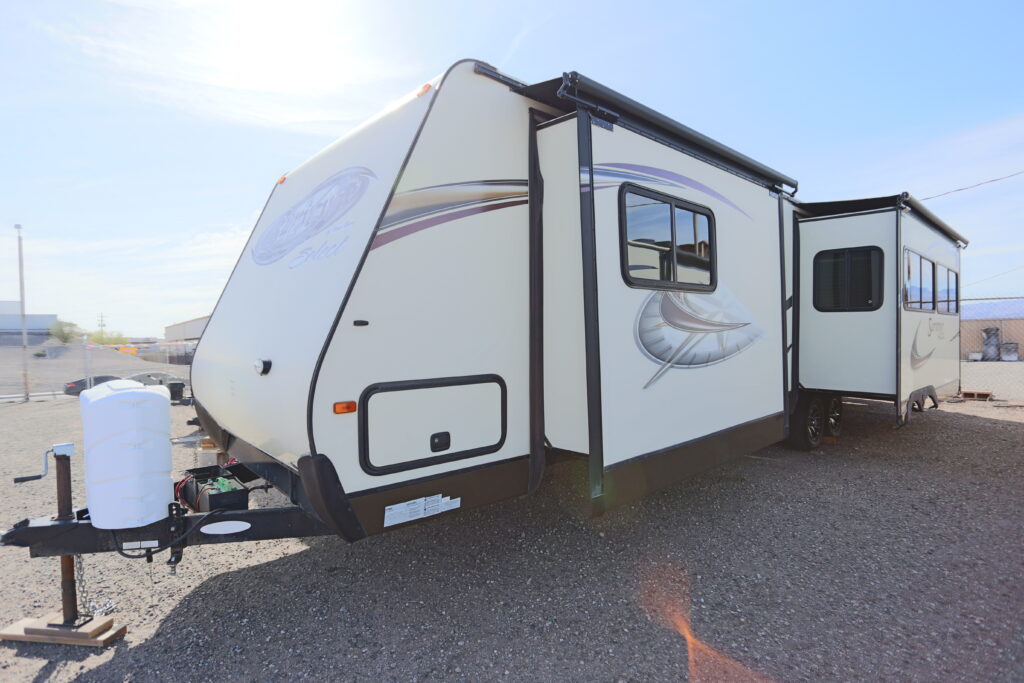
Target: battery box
{"x":216,"y":487}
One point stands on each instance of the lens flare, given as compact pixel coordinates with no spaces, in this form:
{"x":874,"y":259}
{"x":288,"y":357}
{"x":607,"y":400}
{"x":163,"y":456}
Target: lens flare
{"x":665,"y":596}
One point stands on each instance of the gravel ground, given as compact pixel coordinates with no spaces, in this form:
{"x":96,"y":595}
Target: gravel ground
{"x":895,"y":554}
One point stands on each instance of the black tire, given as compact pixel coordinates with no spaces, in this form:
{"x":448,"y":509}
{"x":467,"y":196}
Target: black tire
{"x":834,"y":416}
{"x":808,"y":423}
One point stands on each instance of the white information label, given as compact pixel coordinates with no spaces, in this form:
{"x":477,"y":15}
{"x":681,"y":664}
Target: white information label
{"x":419,"y":508}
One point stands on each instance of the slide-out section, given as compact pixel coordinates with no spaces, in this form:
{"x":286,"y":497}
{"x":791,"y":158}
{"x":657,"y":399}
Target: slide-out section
{"x":690,"y":319}
{"x":849,"y":297}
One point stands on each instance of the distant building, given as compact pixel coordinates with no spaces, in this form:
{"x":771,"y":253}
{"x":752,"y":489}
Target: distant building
{"x":1004,"y":315}
{"x":190,"y":330}
{"x":37,"y":324}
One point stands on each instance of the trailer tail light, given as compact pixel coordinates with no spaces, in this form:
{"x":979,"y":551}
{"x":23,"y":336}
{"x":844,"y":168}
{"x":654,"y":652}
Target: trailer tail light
{"x":342,"y":407}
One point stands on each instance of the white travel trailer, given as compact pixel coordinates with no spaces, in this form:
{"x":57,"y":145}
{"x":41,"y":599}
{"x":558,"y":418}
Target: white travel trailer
{"x":488,"y":272}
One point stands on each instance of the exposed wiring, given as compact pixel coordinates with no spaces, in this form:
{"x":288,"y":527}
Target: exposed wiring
{"x":971,"y":187}
{"x":177,"y":491}
{"x":170,"y":544}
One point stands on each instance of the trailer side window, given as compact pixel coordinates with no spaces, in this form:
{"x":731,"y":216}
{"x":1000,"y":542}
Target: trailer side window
{"x":648,"y":238}
{"x":848,"y":279}
{"x":667,"y":243}
{"x":919,"y":283}
{"x":947,"y":290}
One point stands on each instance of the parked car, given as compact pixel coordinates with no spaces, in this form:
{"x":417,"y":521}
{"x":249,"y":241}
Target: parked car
{"x":175,"y":385}
{"x":80,"y":385}
{"x":157,"y":377}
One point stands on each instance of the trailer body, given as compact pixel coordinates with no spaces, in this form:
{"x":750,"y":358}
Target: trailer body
{"x":489,"y":272}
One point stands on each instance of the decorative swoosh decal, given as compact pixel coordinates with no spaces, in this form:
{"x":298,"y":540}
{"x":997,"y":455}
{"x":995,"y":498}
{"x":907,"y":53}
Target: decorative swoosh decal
{"x":686,"y":330}
{"x":424,"y":207}
{"x":609,"y":175}
{"x":916,"y":359}
{"x":677,"y":313}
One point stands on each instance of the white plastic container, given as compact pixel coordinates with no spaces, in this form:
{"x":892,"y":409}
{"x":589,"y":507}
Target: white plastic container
{"x":127,"y":428}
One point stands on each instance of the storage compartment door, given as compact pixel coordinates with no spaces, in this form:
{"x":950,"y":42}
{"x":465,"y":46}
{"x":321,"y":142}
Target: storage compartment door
{"x":406,"y":425}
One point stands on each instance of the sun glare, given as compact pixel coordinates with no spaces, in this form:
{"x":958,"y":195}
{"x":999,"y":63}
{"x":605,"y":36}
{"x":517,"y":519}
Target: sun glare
{"x":302,"y":48}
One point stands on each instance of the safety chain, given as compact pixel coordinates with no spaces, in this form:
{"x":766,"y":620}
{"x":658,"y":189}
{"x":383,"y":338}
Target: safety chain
{"x":86,"y":606}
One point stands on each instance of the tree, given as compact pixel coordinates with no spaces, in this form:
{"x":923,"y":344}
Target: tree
{"x":103,"y":337}
{"x":64,"y":331}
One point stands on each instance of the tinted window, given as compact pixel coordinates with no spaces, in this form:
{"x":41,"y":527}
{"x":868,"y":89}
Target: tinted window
{"x":668,"y":242}
{"x":693,"y":248}
{"x":829,"y":279}
{"x":848,"y":279}
{"x":946,"y":290}
{"x":927,"y":280}
{"x":913,"y":280}
{"x":919,"y":284}
{"x":648,"y":238}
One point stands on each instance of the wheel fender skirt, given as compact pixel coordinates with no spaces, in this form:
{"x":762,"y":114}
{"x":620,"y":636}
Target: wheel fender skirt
{"x":919,"y":396}
{"x":327,"y":497}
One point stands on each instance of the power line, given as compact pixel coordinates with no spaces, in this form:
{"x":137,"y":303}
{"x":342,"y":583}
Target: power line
{"x":1005,"y":272}
{"x":992,"y":298}
{"x":971,"y":187}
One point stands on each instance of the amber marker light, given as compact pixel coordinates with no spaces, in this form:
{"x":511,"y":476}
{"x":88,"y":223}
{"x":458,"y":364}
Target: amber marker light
{"x":281,"y":179}
{"x":342,"y":407}
{"x":423,"y":90}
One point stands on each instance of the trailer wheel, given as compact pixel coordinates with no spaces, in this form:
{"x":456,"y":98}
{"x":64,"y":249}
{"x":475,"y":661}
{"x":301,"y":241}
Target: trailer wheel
{"x":808,"y":423}
{"x":834,"y":416}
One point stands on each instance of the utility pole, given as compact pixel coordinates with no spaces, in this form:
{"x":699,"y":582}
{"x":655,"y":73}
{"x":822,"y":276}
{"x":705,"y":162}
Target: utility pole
{"x":102,"y":335}
{"x":24,"y":329}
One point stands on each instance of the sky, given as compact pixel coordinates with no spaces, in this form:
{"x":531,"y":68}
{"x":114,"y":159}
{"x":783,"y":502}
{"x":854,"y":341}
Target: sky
{"x":142,"y":137}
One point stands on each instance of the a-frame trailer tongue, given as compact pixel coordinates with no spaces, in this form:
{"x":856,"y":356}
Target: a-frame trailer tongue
{"x":69,"y":626}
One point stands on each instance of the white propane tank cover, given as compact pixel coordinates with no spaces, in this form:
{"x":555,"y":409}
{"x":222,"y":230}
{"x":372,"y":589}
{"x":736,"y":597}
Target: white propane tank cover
{"x":127,"y":429}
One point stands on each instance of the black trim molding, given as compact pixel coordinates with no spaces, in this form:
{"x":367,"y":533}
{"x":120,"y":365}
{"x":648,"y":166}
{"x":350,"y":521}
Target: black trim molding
{"x":637,"y":477}
{"x":591,"y":326}
{"x":474,"y":486}
{"x":411,"y":385}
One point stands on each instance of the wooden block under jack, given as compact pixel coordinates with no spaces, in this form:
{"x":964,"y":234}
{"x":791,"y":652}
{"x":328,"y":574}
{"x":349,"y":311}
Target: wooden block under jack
{"x":97,"y":632}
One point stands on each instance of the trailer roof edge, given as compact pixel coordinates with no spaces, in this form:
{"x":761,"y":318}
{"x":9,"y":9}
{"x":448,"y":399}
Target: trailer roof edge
{"x":896,"y":201}
{"x":574,"y":88}
{"x":947,"y":229}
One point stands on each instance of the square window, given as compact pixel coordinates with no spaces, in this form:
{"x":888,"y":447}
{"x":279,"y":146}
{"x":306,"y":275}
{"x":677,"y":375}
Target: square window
{"x":848,"y":279}
{"x":667,"y":243}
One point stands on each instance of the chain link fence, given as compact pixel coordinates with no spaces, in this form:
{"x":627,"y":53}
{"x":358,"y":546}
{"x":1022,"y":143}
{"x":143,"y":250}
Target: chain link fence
{"x":52,"y":365}
{"x":991,"y":346}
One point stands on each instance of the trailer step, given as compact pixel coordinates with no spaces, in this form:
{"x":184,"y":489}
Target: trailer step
{"x":976,"y":395}
{"x":98,"y":632}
